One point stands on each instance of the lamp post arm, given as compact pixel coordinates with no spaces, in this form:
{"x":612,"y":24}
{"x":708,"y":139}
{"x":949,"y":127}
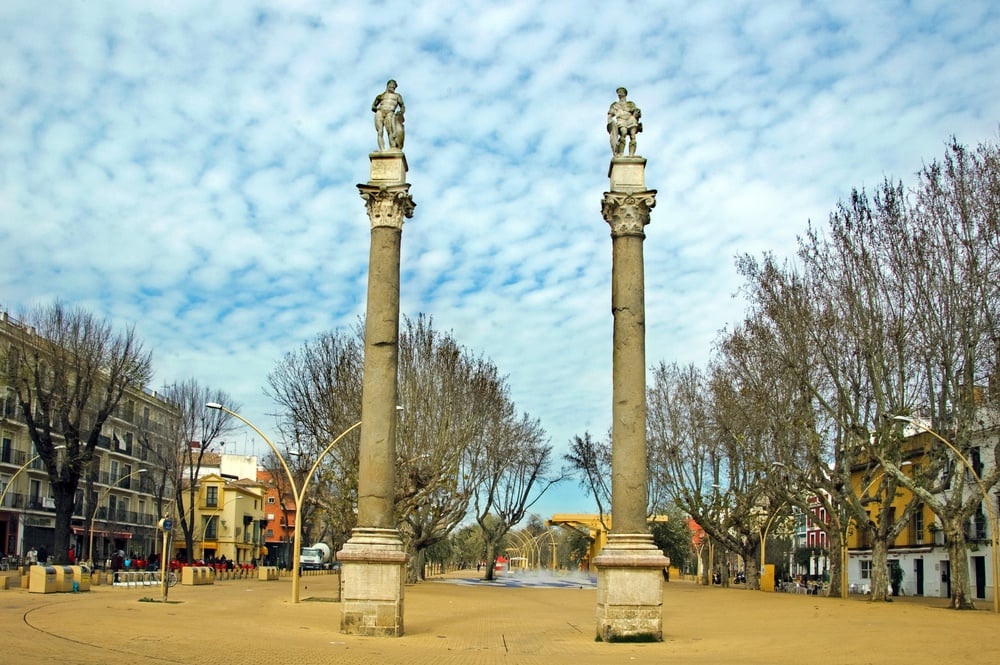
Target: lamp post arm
{"x":97,"y":506}
{"x":965,"y":461}
{"x":994,"y":527}
{"x":284,"y":465}
{"x":10,"y":483}
{"x":319,"y":458}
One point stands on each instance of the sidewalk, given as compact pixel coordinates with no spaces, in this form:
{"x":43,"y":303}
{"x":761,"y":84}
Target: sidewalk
{"x":254,"y":623}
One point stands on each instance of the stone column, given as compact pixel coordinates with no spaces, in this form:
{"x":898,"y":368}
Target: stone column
{"x":373,"y":558}
{"x":629,"y":575}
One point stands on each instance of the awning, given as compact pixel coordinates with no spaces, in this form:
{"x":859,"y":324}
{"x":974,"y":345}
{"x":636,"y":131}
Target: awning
{"x":121,"y":535}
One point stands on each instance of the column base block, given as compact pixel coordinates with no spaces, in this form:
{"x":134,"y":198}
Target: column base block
{"x":373,"y":567}
{"x":630,"y":589}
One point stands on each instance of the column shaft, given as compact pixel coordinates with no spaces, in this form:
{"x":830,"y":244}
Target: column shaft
{"x":628,"y":430}
{"x":377,"y":451}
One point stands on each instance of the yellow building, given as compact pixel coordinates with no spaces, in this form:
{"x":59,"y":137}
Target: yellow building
{"x":918,"y":555}
{"x":227,"y":518}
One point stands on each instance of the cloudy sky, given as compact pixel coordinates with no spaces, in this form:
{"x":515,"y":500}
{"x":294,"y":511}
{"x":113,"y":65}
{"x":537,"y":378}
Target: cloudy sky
{"x":191,"y":167}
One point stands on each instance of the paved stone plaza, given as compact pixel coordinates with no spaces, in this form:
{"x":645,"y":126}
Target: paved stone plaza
{"x":252,"y":622}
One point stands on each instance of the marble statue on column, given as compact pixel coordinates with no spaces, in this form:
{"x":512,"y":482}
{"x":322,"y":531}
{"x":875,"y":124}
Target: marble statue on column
{"x":388,"y":108}
{"x":623,"y":123}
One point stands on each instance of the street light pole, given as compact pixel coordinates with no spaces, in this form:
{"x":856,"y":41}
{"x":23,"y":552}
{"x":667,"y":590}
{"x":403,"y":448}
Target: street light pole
{"x":10,"y":483}
{"x":994,"y":526}
{"x":97,"y":505}
{"x":299,"y":492}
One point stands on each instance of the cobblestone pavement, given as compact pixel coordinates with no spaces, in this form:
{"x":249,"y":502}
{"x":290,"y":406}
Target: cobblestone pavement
{"x":254,"y":623}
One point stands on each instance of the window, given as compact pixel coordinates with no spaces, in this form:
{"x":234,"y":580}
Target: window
{"x":6,"y":451}
{"x":270,"y":533}
{"x":212,"y":496}
{"x":114,"y":473}
{"x":918,"y":525}
{"x":210,"y":526}
{"x":977,"y":462}
{"x":866,"y":569}
{"x":979,"y":525}
{"x":270,"y":499}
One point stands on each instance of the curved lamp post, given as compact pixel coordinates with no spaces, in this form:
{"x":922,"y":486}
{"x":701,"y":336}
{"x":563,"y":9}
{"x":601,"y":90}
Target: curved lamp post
{"x":299,"y":492}
{"x":97,"y":506}
{"x":10,"y":483}
{"x":995,"y":523}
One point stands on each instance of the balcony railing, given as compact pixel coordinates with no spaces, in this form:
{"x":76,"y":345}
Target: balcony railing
{"x":15,"y":457}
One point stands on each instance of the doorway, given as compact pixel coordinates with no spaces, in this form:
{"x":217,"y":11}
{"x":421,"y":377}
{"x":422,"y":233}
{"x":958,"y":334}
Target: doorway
{"x":918,"y":576}
{"x":979,"y":574}
{"x":946,"y":579}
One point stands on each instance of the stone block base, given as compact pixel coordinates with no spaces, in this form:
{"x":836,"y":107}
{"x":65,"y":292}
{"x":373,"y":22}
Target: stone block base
{"x":373,"y":569}
{"x":630,"y":589}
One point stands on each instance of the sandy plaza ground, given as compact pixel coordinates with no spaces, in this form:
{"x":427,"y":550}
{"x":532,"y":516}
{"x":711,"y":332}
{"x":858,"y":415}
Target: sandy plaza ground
{"x":458,"y":619}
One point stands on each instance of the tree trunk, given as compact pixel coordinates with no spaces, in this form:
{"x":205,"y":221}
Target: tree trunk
{"x":880,"y":570}
{"x":836,"y":564}
{"x":491,"y":561}
{"x":961,"y":597}
{"x":64,"y":494}
{"x":752,"y":569}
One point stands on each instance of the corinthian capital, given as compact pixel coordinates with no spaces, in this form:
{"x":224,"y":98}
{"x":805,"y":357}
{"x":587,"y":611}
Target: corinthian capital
{"x":628,"y":213}
{"x":387,"y":206}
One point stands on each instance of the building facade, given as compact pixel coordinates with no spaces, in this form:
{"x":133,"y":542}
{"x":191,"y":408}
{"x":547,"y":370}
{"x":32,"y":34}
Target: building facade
{"x":918,"y":559}
{"x":117,"y":495}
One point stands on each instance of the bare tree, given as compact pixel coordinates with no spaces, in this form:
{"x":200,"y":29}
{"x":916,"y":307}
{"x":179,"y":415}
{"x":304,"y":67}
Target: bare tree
{"x":194,"y":433}
{"x":449,"y":398}
{"x":318,"y":388}
{"x":69,"y":371}
{"x":515,"y":459}
{"x":892,"y":311}
{"x":590,"y":461}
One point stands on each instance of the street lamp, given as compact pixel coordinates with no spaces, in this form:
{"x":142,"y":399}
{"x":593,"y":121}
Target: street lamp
{"x":994,"y":526}
{"x":299,"y":492}
{"x":10,"y":483}
{"x":97,"y":506}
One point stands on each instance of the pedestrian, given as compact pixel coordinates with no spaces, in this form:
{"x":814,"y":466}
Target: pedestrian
{"x":43,"y":556}
{"x":72,"y":555}
{"x":117,"y":563}
{"x":32,"y":556}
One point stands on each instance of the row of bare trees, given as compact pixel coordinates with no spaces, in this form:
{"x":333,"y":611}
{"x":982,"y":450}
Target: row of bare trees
{"x":462,"y":445}
{"x":70,"y":371}
{"x":888,"y":311}
{"x":462,"y":448}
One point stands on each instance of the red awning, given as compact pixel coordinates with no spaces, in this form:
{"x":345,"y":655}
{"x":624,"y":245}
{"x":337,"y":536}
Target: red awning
{"x":122,"y":535}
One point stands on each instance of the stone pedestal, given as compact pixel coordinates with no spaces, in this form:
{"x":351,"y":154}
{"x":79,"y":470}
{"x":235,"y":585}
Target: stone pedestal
{"x":374,"y":570}
{"x":630,"y":568}
{"x":630,"y":589}
{"x":373,"y":559}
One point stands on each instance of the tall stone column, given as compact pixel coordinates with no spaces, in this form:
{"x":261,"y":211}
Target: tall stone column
{"x":373,"y":559}
{"x":629,"y":569}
